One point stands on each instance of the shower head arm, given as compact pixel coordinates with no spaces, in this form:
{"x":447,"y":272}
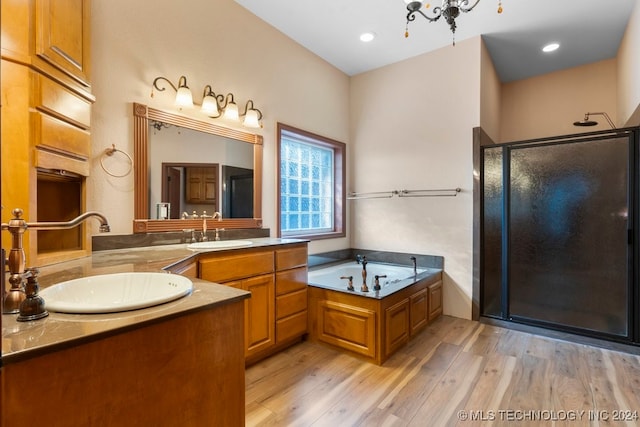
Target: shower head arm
{"x":605,"y":115}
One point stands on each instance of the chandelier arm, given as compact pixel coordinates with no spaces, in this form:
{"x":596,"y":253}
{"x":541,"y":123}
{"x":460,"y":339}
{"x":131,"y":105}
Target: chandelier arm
{"x":411,"y":16}
{"x":469,"y":9}
{"x":155,"y":84}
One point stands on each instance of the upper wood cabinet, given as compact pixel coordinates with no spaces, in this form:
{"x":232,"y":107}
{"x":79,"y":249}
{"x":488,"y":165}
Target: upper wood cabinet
{"x":46,"y":121}
{"x":202,"y":185}
{"x":62,"y":36}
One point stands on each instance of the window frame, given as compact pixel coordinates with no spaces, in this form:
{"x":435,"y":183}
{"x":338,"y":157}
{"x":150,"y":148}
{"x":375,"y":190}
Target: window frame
{"x":339,"y":182}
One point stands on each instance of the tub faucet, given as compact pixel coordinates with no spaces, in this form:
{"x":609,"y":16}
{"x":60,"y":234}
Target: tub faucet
{"x":350,"y":284}
{"x":364,"y":263}
{"x":29,"y":304}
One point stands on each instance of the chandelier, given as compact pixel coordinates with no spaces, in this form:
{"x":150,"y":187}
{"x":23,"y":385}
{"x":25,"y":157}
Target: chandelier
{"x":450,"y":10}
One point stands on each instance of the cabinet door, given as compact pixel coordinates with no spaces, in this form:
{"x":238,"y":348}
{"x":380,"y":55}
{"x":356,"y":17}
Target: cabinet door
{"x":259,"y":314}
{"x":397,"y":326}
{"x":419,"y":310}
{"x":202,"y":185}
{"x":62,"y":36}
{"x":435,"y":300}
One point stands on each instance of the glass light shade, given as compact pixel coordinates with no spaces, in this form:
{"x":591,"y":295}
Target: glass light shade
{"x":231,"y":111}
{"x":251,"y":119}
{"x":184,"y":99}
{"x":210,"y":106}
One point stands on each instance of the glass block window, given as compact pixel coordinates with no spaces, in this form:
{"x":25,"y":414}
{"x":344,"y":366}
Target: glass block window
{"x":311,"y":184}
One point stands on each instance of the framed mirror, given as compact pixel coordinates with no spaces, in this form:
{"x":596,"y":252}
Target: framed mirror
{"x":228,"y":182}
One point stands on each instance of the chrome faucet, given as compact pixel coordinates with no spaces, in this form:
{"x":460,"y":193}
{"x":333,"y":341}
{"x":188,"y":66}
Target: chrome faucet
{"x":25,"y":299}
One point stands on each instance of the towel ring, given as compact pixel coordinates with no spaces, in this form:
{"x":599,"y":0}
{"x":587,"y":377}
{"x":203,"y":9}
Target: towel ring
{"x":110,"y":152}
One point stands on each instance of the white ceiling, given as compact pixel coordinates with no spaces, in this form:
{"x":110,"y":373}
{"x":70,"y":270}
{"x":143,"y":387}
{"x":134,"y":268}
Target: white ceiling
{"x":587,"y":30}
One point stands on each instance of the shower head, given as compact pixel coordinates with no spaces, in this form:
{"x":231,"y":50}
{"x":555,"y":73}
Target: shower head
{"x":587,"y":122}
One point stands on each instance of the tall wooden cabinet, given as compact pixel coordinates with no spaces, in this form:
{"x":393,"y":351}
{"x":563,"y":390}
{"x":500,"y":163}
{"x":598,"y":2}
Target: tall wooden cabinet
{"x":46,"y":121}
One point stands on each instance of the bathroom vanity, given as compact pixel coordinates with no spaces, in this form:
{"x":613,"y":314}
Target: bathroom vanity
{"x":179,"y":363}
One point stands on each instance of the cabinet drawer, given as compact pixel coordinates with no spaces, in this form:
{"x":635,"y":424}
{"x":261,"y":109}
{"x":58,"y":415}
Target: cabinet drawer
{"x":292,"y":280}
{"x":56,"y":134}
{"x":289,"y":304}
{"x":290,"y":327}
{"x":49,"y":160}
{"x":291,"y":258}
{"x":55,"y":100}
{"x":223,"y":269}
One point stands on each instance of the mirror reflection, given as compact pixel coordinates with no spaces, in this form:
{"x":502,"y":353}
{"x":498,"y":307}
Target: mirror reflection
{"x":197,"y":173}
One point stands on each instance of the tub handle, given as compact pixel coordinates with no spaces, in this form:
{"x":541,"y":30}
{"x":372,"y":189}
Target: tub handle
{"x":350,"y":285}
{"x":376,"y":286}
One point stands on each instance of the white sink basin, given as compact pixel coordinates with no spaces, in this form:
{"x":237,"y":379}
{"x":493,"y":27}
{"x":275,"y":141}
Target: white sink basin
{"x":220,"y":244}
{"x":109,"y":293}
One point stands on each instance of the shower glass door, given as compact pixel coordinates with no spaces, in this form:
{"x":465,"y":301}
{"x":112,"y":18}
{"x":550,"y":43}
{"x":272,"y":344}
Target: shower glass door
{"x":556,"y":234}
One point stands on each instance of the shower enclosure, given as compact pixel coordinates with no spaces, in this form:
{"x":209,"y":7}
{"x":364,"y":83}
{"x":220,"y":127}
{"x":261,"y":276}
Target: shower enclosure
{"x":559,"y":233}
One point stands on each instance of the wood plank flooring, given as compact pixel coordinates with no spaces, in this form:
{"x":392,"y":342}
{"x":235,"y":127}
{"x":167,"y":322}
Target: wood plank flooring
{"x":456,"y":372}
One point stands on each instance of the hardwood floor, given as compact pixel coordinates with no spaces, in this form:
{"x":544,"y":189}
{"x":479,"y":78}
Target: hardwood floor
{"x":456,"y":372}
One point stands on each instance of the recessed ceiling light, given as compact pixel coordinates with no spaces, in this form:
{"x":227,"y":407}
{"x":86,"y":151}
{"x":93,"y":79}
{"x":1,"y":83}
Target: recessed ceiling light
{"x":551,"y":47}
{"x":367,"y":37}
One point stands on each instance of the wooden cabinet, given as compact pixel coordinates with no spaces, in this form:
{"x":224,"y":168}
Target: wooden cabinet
{"x":435,"y":300}
{"x":291,"y":293}
{"x":418,"y":310}
{"x":291,"y":304}
{"x":276,"y":313}
{"x":46,"y":121}
{"x":259,"y":314}
{"x":397,"y":326}
{"x":370,"y":327}
{"x":202,"y":186}
{"x":185,"y":371}
{"x":62,"y":37}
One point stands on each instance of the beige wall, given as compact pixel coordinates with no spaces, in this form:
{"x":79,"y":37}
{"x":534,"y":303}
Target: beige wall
{"x":217,"y":43}
{"x":629,"y":73}
{"x":490,"y":96}
{"x":547,"y":105}
{"x":411,"y":128}
{"x":407,"y":125}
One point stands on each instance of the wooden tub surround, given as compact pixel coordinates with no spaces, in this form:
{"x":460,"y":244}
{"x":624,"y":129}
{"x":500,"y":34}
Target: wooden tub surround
{"x":374,"y":328}
{"x":179,"y":363}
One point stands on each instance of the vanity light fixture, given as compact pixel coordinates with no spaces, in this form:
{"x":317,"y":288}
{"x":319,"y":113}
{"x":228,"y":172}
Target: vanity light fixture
{"x":213,"y":105}
{"x":210,"y":105}
{"x":230,"y":108}
{"x":450,"y":10}
{"x":252,"y":116}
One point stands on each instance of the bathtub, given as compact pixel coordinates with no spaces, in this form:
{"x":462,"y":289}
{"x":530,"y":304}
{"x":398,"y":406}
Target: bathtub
{"x":398,"y":277}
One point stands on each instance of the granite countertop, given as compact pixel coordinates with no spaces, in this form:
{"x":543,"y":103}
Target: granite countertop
{"x":22,"y":340}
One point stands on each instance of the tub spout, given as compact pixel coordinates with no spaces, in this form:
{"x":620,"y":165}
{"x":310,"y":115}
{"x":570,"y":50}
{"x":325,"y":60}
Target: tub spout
{"x":364,"y":287}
